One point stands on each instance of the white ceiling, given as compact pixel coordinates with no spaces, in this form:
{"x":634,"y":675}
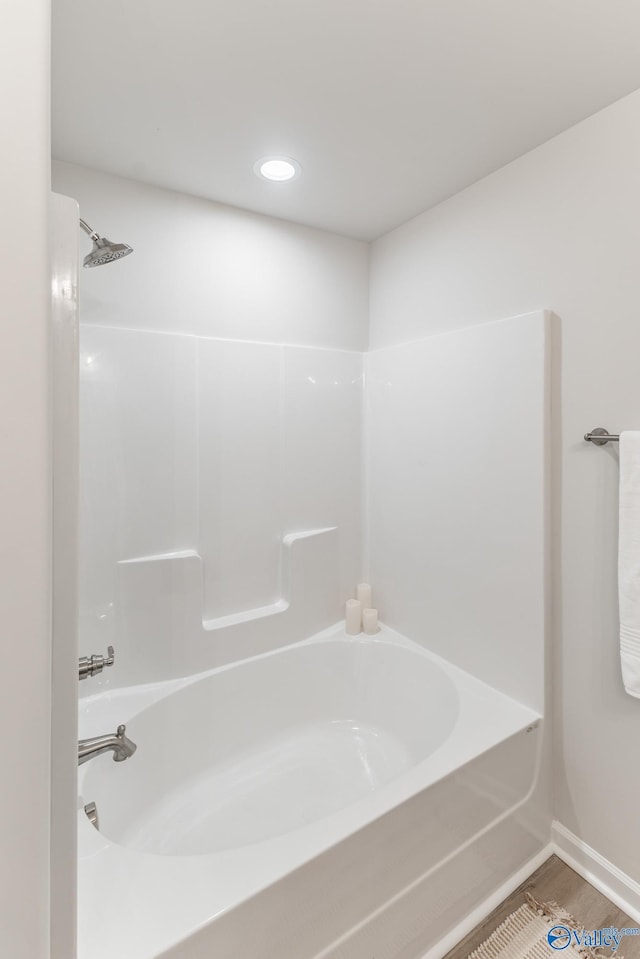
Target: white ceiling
{"x":389,"y":105}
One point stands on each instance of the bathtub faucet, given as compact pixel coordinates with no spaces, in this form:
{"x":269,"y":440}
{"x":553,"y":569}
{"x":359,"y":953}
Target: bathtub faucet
{"x":120,"y":745}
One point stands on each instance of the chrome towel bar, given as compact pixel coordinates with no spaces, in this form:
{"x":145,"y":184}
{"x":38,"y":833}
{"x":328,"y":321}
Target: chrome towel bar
{"x":600,"y":436}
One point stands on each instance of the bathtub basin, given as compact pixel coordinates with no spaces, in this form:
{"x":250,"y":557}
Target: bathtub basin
{"x":244,"y":755}
{"x":299,"y":773}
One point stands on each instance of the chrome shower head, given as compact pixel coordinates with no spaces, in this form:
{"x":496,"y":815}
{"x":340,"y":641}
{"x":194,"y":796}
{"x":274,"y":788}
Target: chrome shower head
{"x":104,"y":251}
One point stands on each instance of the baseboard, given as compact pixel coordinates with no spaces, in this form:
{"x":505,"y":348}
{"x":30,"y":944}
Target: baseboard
{"x":481,"y":912}
{"x":607,"y":878}
{"x":612,"y":882}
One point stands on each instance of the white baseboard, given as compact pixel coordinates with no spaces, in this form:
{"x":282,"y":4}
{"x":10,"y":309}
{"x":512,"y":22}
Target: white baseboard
{"x":607,"y":878}
{"x":602,"y":874}
{"x":480,"y":913}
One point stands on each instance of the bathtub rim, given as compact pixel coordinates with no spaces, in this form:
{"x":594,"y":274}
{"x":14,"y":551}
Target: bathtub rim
{"x":132,"y":700}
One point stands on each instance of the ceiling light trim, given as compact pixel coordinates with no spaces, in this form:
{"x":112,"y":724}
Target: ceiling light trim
{"x":277,"y":169}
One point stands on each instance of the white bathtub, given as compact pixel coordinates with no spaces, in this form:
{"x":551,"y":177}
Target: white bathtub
{"x":314,"y":801}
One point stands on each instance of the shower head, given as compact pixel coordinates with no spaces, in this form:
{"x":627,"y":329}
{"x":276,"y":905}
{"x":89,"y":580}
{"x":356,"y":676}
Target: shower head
{"x":104,"y":251}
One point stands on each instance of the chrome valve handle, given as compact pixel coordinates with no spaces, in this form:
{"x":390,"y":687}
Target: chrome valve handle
{"x":93,"y":665}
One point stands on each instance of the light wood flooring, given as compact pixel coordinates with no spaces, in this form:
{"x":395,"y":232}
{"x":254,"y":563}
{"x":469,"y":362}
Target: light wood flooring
{"x":555,"y":880}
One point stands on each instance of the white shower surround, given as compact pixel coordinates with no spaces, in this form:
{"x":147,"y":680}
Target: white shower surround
{"x":432,"y":409}
{"x":206,"y":466}
{"x":457,"y":474}
{"x":206,"y":849}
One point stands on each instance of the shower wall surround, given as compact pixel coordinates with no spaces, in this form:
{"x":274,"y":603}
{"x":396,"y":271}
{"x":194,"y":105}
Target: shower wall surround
{"x":220,"y":483}
{"x":457,"y":427}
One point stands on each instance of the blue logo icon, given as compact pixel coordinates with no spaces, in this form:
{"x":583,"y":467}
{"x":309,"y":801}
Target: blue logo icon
{"x":559,"y":937}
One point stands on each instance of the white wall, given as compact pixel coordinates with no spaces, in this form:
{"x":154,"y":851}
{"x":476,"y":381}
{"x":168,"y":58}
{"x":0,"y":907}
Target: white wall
{"x":558,"y":228}
{"x":221,"y":412}
{"x":214,"y":270}
{"x":24,"y":479}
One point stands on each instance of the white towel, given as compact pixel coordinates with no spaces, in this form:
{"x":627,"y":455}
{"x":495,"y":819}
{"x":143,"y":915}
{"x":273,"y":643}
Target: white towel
{"x":629,"y":561}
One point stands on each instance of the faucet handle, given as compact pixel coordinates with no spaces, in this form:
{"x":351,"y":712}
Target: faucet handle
{"x":93,"y":665}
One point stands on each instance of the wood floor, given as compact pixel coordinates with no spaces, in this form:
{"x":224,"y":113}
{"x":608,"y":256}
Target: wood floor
{"x":555,"y":880}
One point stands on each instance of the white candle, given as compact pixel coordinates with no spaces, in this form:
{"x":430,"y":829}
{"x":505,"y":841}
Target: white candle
{"x":353,"y":617}
{"x":363,"y":593}
{"x":370,"y":621}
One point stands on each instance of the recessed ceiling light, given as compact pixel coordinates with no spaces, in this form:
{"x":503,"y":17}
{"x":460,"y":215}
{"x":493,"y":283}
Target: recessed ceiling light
{"x":277,"y":168}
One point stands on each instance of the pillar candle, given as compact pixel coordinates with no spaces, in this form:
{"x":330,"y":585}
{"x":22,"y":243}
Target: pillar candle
{"x":363,"y":593}
{"x":353,"y":617}
{"x":370,"y":621}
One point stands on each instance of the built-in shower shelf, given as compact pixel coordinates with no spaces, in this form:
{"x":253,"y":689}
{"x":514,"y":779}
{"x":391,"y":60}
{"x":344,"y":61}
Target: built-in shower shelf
{"x":159,"y":557}
{"x":246,"y":616}
{"x":160,"y":597}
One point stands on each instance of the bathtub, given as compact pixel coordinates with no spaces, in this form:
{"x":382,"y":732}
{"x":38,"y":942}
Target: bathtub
{"x":341,"y":797}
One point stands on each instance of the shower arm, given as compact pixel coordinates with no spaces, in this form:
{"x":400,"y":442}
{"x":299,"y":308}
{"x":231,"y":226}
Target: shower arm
{"x":87,"y":229}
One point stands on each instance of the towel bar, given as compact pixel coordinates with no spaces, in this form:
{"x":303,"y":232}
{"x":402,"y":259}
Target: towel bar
{"x":600,"y":436}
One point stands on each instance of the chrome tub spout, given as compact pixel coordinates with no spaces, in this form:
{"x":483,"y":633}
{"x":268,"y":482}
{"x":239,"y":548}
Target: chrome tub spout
{"x":119,"y":744}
